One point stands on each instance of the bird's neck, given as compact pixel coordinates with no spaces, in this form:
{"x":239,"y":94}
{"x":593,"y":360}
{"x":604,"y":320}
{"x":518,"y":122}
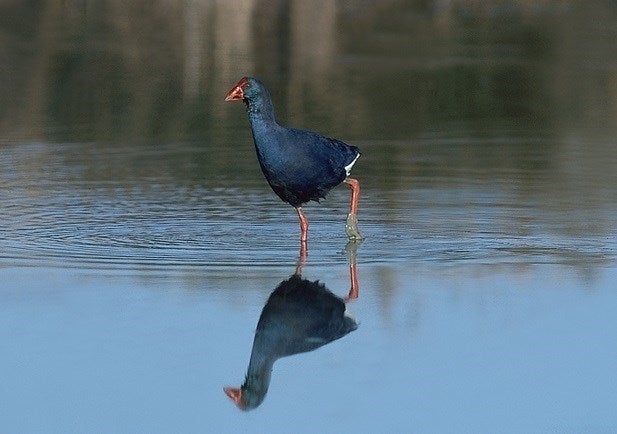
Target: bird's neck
{"x":261,"y":111}
{"x":258,"y":374}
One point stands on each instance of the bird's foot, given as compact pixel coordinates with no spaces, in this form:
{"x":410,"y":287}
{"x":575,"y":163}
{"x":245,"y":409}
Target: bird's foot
{"x":351,"y":228}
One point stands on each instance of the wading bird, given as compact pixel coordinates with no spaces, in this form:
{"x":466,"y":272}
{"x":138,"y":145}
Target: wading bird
{"x":299,"y":165}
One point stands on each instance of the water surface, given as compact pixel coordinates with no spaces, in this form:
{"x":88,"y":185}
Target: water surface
{"x":139,"y":241}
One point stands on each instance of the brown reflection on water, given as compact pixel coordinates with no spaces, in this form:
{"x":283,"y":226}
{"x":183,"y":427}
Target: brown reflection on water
{"x":110,"y":70}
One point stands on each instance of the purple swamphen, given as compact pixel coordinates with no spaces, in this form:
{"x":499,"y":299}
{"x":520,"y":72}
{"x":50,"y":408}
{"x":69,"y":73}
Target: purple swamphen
{"x":299,"y":165}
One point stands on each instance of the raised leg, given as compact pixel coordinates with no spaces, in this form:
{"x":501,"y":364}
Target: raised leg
{"x":303,"y":225}
{"x":351,"y":227}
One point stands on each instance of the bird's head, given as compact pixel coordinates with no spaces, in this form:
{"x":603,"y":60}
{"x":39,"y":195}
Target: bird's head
{"x":245,"y":397}
{"x":235,"y":394}
{"x":256,"y":97}
{"x":248,"y":88}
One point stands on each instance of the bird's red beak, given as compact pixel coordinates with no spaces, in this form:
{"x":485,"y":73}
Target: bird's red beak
{"x":234,"y":94}
{"x":235,"y":394}
{"x":237,"y":92}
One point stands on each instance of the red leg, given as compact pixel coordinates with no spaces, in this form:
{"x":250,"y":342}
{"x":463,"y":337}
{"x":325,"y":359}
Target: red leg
{"x":352,"y":220}
{"x":303,"y":225}
{"x":354,"y":185}
{"x":351,"y":249}
{"x":353,"y":275}
{"x":301,"y":258}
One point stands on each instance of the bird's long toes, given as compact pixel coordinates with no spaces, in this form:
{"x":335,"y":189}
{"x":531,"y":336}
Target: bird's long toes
{"x":351,"y":228}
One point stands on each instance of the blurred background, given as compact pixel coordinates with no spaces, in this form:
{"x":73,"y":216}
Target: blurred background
{"x":389,"y":70}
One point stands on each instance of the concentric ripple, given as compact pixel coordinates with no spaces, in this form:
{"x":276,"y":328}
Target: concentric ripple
{"x":56,"y":212}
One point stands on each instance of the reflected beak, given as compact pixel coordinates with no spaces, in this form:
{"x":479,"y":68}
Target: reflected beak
{"x":236,"y":93}
{"x":235,"y":394}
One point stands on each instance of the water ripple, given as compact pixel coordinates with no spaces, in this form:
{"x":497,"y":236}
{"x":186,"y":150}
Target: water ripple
{"x":65,"y":219}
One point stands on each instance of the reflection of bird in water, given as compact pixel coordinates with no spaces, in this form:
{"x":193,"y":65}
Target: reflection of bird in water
{"x":299,"y":316}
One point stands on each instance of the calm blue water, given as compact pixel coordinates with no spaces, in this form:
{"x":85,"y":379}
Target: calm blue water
{"x":128,"y":306}
{"x":139,"y":242}
{"x":464,"y":347}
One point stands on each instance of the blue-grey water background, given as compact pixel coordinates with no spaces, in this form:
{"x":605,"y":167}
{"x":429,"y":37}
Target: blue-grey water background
{"x":139,"y":241}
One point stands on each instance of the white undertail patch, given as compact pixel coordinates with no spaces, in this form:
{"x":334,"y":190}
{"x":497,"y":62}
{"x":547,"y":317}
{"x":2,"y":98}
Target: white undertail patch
{"x":350,"y":165}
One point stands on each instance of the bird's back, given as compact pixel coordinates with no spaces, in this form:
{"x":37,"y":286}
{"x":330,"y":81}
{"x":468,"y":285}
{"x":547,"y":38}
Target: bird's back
{"x":300,"y":316}
{"x":302,"y":165}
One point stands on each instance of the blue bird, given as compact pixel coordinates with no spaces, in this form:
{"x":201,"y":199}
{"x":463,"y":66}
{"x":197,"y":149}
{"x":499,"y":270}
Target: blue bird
{"x":299,"y":165}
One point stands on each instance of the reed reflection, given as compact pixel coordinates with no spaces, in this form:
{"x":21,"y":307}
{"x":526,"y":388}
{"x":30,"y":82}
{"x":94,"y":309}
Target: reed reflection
{"x":299,"y":316}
